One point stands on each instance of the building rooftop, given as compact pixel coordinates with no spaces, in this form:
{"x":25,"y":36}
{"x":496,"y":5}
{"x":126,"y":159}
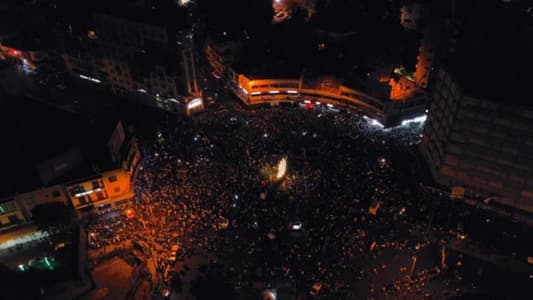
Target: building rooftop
{"x":37,"y":134}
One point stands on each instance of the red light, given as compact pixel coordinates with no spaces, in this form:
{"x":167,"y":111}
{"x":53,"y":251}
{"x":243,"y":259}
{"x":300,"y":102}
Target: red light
{"x":13,"y":52}
{"x":216,"y":75}
{"x":309,"y":105}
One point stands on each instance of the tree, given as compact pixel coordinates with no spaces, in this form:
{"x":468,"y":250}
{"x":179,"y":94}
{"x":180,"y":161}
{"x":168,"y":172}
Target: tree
{"x":51,"y":216}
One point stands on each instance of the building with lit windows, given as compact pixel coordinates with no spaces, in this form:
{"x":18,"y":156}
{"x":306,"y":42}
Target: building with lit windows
{"x":94,"y":170}
{"x":324,"y":91}
{"x":11,"y":214}
{"x":311,"y":69}
{"x":106,"y":190}
{"x":138,"y":53}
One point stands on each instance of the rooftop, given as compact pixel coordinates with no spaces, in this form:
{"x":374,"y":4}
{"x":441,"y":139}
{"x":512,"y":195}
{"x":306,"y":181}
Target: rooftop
{"x":36,"y":133}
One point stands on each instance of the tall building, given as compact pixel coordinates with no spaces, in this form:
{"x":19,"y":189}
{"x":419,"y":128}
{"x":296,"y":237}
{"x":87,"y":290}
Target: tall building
{"x":479,"y":132}
{"x":482,"y":146}
{"x":143,"y":54}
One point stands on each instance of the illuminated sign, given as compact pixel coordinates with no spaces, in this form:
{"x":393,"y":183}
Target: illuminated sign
{"x":195,"y":103}
{"x":89,"y":78}
{"x":87,"y":192}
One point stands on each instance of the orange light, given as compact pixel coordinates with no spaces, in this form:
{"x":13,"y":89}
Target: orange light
{"x":130,"y":213}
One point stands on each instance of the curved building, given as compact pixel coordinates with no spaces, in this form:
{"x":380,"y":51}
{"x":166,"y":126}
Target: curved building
{"x":254,"y":91}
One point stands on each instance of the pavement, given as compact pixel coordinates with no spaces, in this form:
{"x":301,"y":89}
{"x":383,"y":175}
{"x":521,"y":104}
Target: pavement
{"x":113,"y":280}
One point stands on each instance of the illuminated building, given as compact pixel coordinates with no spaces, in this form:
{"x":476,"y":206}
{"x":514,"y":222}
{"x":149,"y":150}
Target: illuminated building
{"x":11,"y":214}
{"x":108,"y":189}
{"x":424,"y":63}
{"x":95,"y":168}
{"x":292,"y":70}
{"x":136,"y":53}
{"x":324,"y":91}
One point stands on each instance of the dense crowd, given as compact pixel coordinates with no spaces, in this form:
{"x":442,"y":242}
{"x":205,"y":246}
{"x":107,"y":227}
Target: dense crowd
{"x":362,"y":217}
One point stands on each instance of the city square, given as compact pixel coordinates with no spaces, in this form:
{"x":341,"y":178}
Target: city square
{"x":266,"y":149}
{"x":350,"y":214}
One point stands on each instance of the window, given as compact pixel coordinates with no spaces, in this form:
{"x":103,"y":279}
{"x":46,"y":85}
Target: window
{"x":96,"y":185}
{"x":113,"y":178}
{"x":117,"y":189}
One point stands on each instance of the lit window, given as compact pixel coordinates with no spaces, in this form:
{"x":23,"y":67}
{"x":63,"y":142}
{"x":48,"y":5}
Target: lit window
{"x":113,"y":178}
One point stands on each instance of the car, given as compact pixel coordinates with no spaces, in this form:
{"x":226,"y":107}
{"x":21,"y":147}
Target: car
{"x":315,"y":289}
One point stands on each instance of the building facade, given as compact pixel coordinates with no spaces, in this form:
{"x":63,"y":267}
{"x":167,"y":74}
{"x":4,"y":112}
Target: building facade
{"x":16,"y":210}
{"x":482,"y":146}
{"x":135,"y":59}
{"x":11,"y":214}
{"x":107,"y":190}
{"x":112,"y":187}
{"x":323,"y":91}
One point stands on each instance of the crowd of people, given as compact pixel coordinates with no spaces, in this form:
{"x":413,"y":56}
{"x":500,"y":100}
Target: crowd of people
{"x":350,"y":214}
